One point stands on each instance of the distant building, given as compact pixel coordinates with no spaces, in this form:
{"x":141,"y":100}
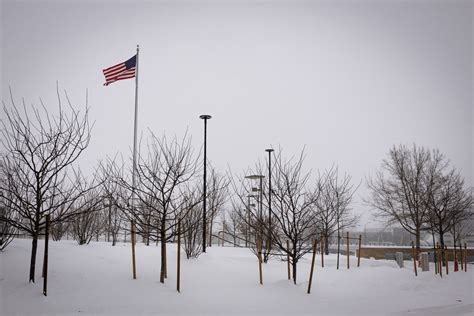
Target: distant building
{"x":397,"y":236}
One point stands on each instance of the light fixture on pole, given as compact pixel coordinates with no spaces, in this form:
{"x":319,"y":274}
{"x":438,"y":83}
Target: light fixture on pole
{"x":204,"y":117}
{"x":269,"y":151}
{"x":260,"y":178}
{"x":249,"y":205}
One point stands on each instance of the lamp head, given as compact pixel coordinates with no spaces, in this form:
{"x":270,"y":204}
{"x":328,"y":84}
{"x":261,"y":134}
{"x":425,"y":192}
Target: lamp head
{"x":255,"y":177}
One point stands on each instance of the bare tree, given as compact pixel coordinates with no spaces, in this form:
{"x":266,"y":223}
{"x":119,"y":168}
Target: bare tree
{"x":398,"y":190}
{"x":40,"y":152}
{"x":333,"y":206}
{"x":233,"y":225}
{"x":162,"y":178}
{"x":7,"y":216}
{"x":463,"y":229}
{"x":7,"y":230}
{"x":293,"y":210}
{"x":191,"y":223}
{"x":448,"y":201}
{"x":90,"y":219}
{"x":115,"y":199}
{"x":217,"y":196}
{"x":58,"y":230}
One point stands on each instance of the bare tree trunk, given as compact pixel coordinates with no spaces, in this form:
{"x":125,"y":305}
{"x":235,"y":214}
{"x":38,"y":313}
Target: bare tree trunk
{"x":166,"y":262}
{"x":454,"y":241}
{"x":441,"y":241}
{"x":338,"y":249}
{"x":295,"y":261}
{"x":434,"y":251}
{"x":148,"y":233}
{"x":294,"y":271}
{"x":109,"y":222}
{"x":326,"y":244}
{"x":34,"y":247}
{"x":163,"y":260}
{"x":418,"y":238}
{"x":210,"y":234}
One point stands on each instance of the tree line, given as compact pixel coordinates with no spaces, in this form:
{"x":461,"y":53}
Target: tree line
{"x":415,"y":188}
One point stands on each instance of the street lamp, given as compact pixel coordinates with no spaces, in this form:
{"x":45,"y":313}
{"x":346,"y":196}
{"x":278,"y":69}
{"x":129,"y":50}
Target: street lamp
{"x":249,"y":205}
{"x":259,"y":189}
{"x":204,"y":117}
{"x":259,"y":215}
{"x":269,"y":151}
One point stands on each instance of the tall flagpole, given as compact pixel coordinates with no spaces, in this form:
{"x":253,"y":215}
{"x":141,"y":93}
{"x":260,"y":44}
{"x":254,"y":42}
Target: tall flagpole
{"x":134,"y":167}
{"x":135,"y":128}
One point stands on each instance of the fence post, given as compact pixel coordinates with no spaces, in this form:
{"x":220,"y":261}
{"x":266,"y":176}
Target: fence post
{"x":178,"y":270}
{"x":414,"y":257}
{"x":312,"y":266}
{"x":134,"y":270}
{"x":358,"y":258}
{"x":45,"y":261}
{"x":288,"y":258}
{"x":347,"y":249}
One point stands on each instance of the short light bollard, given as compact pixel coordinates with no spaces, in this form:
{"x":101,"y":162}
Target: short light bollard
{"x":399,"y":258}
{"x":425,"y":262}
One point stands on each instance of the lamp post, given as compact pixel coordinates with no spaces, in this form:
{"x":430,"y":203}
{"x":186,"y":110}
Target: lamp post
{"x":204,"y":117}
{"x":269,"y":151}
{"x":259,"y":197}
{"x":260,"y":178}
{"x":249,"y":205}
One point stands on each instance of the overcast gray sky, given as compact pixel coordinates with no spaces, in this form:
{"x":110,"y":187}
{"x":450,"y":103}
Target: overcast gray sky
{"x":346,"y":79}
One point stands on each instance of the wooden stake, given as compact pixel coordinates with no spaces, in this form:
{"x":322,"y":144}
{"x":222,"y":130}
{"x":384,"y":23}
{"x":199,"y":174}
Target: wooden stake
{"x":347,"y":249}
{"x":312,"y":266}
{"x":134,"y":270}
{"x":414,"y":257}
{"x":465,"y":257}
{"x":446,"y":261}
{"x":178,"y":270}
{"x":259,"y":250}
{"x":45,"y":261}
{"x":288,"y":259}
{"x":323,"y":249}
{"x":358,"y":258}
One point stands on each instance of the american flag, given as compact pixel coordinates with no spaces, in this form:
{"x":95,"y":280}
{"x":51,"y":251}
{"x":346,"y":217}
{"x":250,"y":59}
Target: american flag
{"x":125,"y":70}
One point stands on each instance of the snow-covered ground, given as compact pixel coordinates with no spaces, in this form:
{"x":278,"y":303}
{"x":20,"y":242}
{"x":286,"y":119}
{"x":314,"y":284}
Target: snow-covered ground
{"x":96,"y":280}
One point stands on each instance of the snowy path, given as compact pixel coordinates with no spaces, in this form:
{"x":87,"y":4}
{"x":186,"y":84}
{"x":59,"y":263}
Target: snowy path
{"x":96,"y":280}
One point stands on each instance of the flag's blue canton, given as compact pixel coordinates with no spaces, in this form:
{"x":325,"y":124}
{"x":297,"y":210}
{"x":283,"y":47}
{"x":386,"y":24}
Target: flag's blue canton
{"x":132,"y":62}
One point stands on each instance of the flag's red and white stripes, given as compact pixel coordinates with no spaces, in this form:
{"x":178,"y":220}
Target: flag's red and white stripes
{"x":118,"y":72}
